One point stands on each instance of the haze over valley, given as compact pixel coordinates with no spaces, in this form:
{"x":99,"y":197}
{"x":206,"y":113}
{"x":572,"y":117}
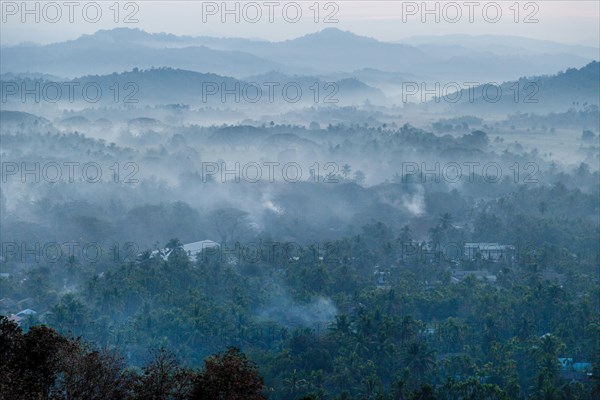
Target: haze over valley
{"x":328,"y":216}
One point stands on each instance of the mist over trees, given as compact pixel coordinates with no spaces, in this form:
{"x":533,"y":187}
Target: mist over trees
{"x":346,"y":235}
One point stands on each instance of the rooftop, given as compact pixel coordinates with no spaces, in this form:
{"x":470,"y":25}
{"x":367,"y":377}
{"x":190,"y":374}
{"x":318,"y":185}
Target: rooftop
{"x":489,"y":246}
{"x":191,"y":249}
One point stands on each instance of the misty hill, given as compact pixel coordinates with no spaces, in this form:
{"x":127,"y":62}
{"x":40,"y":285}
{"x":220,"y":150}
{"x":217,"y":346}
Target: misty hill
{"x":348,"y":88}
{"x":486,"y":58}
{"x":499,"y":45}
{"x":166,"y":40}
{"x":453,"y":56}
{"x":17,"y":117}
{"x":175,"y":86}
{"x":335,"y":50}
{"x":161,"y":85}
{"x":123,"y":49}
{"x":30,"y":75}
{"x":328,"y":51}
{"x":548,"y":93}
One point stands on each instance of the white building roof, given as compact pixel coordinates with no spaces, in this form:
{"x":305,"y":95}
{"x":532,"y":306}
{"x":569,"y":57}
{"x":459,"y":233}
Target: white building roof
{"x":488,"y":246}
{"x":27,"y":311}
{"x":191,"y":249}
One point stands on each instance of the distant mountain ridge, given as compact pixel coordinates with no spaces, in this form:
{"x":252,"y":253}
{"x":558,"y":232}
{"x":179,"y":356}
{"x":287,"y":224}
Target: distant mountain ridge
{"x":328,"y":51}
{"x":570,"y":88}
{"x":160,"y":86}
{"x":502,"y":44}
{"x":124,"y":49}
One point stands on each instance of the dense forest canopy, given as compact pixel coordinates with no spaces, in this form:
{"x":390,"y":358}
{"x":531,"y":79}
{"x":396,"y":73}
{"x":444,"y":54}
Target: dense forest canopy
{"x":177,"y":237}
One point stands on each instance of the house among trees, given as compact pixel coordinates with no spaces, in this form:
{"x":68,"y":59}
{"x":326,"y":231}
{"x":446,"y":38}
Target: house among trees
{"x":191,"y":249}
{"x":489,"y":251}
{"x":574,"y":370}
{"x":26,"y":313}
{"x":381,"y":278}
{"x":460,"y":275}
{"x":23,"y":315}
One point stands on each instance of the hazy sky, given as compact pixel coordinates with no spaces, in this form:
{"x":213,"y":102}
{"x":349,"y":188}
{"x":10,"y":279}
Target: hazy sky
{"x":576,"y":22}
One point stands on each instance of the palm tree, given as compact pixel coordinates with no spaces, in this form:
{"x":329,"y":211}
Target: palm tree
{"x":294,"y":384}
{"x":445,"y":222}
{"x":405,"y":235}
{"x":341,"y":326}
{"x":144,"y":258}
{"x":346,"y":170}
{"x":173,"y":244}
{"x":418,"y":358}
{"x":408,"y":328}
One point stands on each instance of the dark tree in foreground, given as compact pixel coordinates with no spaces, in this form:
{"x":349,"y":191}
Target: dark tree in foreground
{"x":41,"y":364}
{"x":229,"y":376}
{"x":163,"y":378}
{"x":29,"y":362}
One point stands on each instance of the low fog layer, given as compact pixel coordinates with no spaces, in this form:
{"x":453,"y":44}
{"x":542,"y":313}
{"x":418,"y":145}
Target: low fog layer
{"x":358,"y":216}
